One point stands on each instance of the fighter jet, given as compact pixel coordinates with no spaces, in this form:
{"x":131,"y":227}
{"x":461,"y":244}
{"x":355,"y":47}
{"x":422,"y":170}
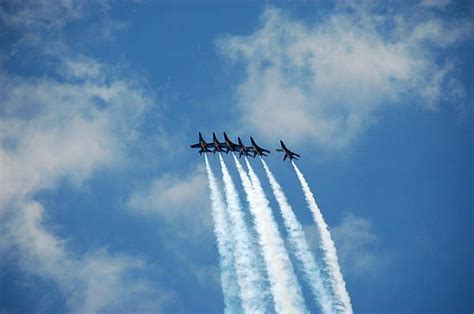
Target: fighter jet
{"x":218,"y":146}
{"x":288,"y":153}
{"x":257,"y":150}
{"x":204,"y":147}
{"x":231,"y":147}
{"x":244,"y":150}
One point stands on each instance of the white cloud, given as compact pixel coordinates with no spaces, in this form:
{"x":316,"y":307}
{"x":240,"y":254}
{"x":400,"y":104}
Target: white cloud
{"x":357,"y":246}
{"x":207,"y":275}
{"x":436,"y":3}
{"x":325,"y":81}
{"x":180,"y":201}
{"x":54,"y":129}
{"x":182,"y":206}
{"x":44,"y":14}
{"x":108,"y":29}
{"x":38,"y":23}
{"x":96,"y":282}
{"x":83,"y":67}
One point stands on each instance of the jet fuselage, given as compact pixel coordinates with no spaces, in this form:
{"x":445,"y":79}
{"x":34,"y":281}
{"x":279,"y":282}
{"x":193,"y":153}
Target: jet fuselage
{"x":257,"y":150}
{"x":217,"y":145}
{"x":288,"y":153}
{"x":231,"y":147}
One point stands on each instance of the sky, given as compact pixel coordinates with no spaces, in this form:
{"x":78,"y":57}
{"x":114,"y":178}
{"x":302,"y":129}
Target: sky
{"x":104,"y":208}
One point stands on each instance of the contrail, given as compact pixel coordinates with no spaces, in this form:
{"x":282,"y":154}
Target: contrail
{"x":284,"y":286}
{"x":230,"y":288}
{"x":249,"y":275}
{"x":342,"y":299}
{"x":298,"y":243}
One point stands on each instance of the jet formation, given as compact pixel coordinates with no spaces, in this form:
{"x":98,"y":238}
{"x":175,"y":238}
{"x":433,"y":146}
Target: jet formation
{"x":239,"y":147}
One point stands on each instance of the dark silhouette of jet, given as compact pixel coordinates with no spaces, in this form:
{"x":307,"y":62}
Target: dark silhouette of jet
{"x":244,"y":150}
{"x":288,"y":153}
{"x":202,"y":145}
{"x":257,"y":150}
{"x":231,"y":147}
{"x":218,"y":146}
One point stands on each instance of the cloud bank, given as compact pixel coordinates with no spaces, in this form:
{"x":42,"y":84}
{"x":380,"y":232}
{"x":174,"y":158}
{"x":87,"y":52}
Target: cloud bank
{"x":182,"y":202}
{"x":66,"y":127}
{"x":47,"y":15}
{"x":324,"y":81}
{"x":358,"y":246}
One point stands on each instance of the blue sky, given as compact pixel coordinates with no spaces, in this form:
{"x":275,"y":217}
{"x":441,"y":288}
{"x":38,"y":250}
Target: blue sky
{"x":103,"y":206}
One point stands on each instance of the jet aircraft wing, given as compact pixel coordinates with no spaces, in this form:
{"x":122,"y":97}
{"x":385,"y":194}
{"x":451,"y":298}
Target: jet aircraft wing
{"x":287,"y":153}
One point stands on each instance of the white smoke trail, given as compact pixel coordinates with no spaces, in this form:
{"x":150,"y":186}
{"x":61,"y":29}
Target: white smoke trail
{"x":284,"y":286}
{"x":342,"y":300}
{"x":230,"y":288}
{"x":298,"y":243}
{"x":249,"y":275}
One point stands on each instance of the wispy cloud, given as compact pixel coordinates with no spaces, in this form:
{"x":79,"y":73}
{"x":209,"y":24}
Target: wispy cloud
{"x":358,"y":246}
{"x":325,"y":81}
{"x":38,"y":24}
{"x":67,"y":126}
{"x":180,"y":201}
{"x":35,"y":15}
{"x":435,"y":3}
{"x":97,"y":281}
{"x":53,"y":128}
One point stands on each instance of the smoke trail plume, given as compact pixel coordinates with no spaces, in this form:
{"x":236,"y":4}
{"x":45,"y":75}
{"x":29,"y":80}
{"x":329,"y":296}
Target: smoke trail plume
{"x":249,"y":275}
{"x":342,"y":299}
{"x":284,"y":286}
{"x":299,"y":245}
{"x":230,"y":288}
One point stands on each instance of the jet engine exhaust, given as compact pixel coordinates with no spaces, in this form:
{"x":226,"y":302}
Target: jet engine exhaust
{"x":299,"y":245}
{"x":230,"y":288}
{"x":285,"y":287}
{"x":342,"y":302}
{"x":249,"y":274}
